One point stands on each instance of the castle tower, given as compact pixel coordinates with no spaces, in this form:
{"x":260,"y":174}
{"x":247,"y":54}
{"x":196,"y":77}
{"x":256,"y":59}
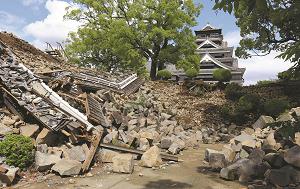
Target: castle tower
{"x":214,"y":54}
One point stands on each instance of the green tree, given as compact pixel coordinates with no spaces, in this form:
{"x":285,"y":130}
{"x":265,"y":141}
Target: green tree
{"x":222,"y":75}
{"x":164,"y":74}
{"x":266,"y":25}
{"x":127,"y":34}
{"x":192,"y":72}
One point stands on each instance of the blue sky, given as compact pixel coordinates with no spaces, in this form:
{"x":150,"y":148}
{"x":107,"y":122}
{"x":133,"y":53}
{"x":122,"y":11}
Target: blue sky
{"x":40,"y":21}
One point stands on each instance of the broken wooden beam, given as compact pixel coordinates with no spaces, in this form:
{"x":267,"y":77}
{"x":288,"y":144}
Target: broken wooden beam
{"x":164,"y":156}
{"x":97,"y":135}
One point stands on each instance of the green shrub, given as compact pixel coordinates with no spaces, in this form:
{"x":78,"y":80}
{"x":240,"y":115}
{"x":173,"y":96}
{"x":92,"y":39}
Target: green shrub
{"x":275,"y":107}
{"x":164,"y":74}
{"x":198,"y":87}
{"x":248,"y":104}
{"x":222,"y":75}
{"x":239,"y":118}
{"x":230,"y":113}
{"x":191,"y":72}
{"x":233,"y":91}
{"x":18,"y":150}
{"x":264,"y":82}
{"x":226,"y":111}
{"x":201,"y":90}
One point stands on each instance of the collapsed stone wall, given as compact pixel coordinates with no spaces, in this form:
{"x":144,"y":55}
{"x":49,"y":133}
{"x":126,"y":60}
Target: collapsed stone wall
{"x":266,"y":155}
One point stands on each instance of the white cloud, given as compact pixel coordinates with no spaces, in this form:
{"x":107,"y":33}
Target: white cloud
{"x":233,"y":38}
{"x":263,"y":67}
{"x":54,"y":28}
{"x":258,"y":68}
{"x":10,"y":22}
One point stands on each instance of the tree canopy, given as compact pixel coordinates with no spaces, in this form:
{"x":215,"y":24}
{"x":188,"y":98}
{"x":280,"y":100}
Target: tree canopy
{"x":266,"y":25}
{"x":128,"y":34}
{"x":222,"y":75}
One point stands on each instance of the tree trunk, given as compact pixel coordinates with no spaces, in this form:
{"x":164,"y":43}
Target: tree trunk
{"x":153,"y":69}
{"x":160,"y":66}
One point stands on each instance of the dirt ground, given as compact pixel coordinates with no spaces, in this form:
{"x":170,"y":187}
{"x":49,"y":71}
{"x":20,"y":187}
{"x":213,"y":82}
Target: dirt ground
{"x":192,"y":173}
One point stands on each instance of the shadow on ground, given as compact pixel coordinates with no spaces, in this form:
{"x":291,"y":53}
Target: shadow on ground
{"x":165,"y":184}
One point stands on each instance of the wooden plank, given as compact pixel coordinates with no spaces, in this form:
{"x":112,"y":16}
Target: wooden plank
{"x":94,"y":145}
{"x":164,"y":156}
{"x":71,"y":97}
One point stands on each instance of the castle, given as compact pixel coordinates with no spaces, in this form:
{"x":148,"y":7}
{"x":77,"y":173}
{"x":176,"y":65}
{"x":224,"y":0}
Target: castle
{"x":215,"y":54}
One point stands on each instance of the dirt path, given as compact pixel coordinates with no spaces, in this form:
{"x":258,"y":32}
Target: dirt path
{"x":191,"y":173}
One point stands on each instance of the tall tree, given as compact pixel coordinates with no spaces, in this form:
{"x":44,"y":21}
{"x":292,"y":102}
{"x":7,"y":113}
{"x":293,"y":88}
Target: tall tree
{"x":266,"y":25}
{"x":128,"y":33}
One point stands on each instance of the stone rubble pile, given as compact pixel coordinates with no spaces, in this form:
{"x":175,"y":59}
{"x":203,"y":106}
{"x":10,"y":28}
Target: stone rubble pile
{"x":140,"y":122}
{"x":265,"y":156}
{"x":63,"y":144}
{"x":53,"y":152}
{"x":203,"y":110}
{"x":145,"y":122}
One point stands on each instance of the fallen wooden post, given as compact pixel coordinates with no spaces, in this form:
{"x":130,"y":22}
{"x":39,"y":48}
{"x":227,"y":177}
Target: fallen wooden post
{"x":94,"y":145}
{"x":164,"y":156}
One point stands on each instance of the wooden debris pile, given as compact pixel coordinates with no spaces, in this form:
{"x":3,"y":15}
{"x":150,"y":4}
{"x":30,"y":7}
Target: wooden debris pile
{"x":69,"y":114}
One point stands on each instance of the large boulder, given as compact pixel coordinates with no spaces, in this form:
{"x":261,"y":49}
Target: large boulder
{"x":106,"y":156}
{"x":4,"y":130}
{"x":165,"y":116}
{"x":285,"y":117}
{"x":275,"y":160}
{"x":9,"y":176}
{"x":8,"y":121}
{"x":67,"y":167}
{"x":123,"y":163}
{"x":292,"y":156}
{"x":146,"y":134}
{"x":29,"y":130}
{"x":216,"y":159}
{"x":42,"y":148}
{"x":245,"y":140}
{"x":281,"y":177}
{"x":166,"y":142}
{"x":257,"y":155}
{"x":296,"y":112}
{"x":250,"y":170}
{"x":75,"y":153}
{"x":231,"y":172}
{"x":47,"y":137}
{"x":229,"y":152}
{"x":270,"y":144}
{"x":208,"y":152}
{"x":144,"y":144}
{"x":297,"y":138}
{"x":151,"y":158}
{"x":263,"y":121}
{"x":176,"y":146}
{"x":44,"y":161}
